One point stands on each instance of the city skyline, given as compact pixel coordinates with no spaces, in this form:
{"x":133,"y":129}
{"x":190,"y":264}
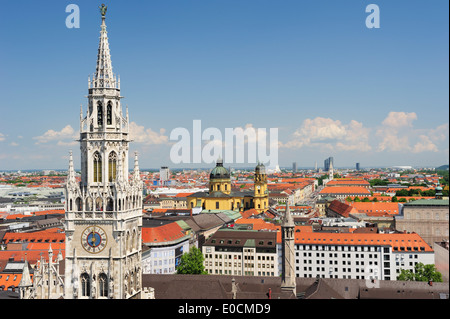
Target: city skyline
{"x":332,"y":86}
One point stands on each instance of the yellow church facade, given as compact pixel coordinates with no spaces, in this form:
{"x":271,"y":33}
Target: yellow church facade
{"x":221,"y":197}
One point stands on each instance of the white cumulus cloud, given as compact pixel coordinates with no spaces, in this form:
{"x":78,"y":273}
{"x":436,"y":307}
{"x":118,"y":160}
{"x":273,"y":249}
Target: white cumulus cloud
{"x":399,"y":119}
{"x":326,"y":133}
{"x":67,"y":133}
{"x":140,"y":134}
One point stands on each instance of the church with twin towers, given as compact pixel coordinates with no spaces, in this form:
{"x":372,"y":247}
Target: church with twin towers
{"x":103,"y":211}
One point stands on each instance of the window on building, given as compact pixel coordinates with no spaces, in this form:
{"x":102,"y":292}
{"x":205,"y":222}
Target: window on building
{"x":85,"y":285}
{"x":109,"y":114}
{"x":112,"y":166}
{"x":97,"y":168}
{"x":100,"y":114}
{"x":103,"y":285}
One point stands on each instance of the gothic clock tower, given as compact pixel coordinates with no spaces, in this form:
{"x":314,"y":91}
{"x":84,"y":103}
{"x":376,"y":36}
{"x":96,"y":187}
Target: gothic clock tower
{"x":103,"y":217}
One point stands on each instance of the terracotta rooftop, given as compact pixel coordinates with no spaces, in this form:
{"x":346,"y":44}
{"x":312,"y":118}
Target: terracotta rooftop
{"x":345,"y":190}
{"x":165,"y":233}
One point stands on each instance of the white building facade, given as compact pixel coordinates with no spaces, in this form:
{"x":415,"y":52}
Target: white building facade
{"x":164,"y":258}
{"x":358,"y":256}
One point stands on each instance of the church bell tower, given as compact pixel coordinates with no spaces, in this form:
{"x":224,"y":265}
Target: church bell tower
{"x":103,"y":218}
{"x":261,"y":197}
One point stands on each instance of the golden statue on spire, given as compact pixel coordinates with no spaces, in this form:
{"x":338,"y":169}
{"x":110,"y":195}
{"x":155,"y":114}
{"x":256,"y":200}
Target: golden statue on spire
{"x":103,"y":9}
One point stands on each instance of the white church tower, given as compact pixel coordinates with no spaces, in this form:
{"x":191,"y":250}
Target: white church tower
{"x":103,"y":218}
{"x":331,"y":172}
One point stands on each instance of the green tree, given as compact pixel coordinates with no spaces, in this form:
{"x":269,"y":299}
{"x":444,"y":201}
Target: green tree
{"x":378,"y":182}
{"x":192,"y":263}
{"x":394,"y":199}
{"x":421,"y":273}
{"x":402,"y":192}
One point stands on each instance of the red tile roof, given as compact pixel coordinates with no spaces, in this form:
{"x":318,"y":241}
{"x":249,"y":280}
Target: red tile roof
{"x":395,"y":240}
{"x":376,"y":208}
{"x":341,"y":208}
{"x":345,"y":190}
{"x":164,"y":233}
{"x":258,"y":224}
{"x":48,"y":235}
{"x":249,"y":212}
{"x":8,"y":280}
{"x":339,"y":182}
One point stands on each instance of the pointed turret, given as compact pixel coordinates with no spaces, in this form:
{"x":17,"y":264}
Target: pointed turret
{"x":26,"y":277}
{"x":26,"y":284}
{"x":71,"y":180}
{"x":287,"y":221}
{"x":288,"y":255}
{"x":136,"y":173}
{"x":104,"y":76}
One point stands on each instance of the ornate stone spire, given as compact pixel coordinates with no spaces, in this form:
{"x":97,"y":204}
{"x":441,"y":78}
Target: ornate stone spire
{"x":71,"y":180}
{"x":288,"y":221}
{"x":288,"y":255}
{"x":136,"y":173}
{"x":26,"y":278}
{"x":104,"y":76}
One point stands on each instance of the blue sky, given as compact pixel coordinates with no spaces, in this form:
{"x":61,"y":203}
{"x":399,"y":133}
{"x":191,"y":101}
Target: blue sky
{"x":312,"y":69}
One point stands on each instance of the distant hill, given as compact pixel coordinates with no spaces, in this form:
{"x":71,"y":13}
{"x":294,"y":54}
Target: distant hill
{"x":442,"y":168}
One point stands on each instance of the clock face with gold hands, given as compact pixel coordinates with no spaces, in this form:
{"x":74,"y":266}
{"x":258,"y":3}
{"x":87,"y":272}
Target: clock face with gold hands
{"x":93,"y":239}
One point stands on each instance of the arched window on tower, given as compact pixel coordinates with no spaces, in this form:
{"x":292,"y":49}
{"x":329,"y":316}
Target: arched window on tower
{"x":103,"y":285}
{"x":112,"y":166}
{"x":97,"y":168}
{"x":109,"y":114}
{"x":100,"y":114}
{"x":109,"y":205}
{"x":85,"y":285}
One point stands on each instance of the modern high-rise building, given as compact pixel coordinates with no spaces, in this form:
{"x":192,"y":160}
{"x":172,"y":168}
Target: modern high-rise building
{"x":326,"y":163}
{"x":164,"y":175}
{"x":294,"y":167}
{"x":357,"y":167}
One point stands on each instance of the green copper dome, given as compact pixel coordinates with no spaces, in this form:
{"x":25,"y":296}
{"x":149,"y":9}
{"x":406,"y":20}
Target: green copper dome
{"x":219,"y":172}
{"x":260,"y":168}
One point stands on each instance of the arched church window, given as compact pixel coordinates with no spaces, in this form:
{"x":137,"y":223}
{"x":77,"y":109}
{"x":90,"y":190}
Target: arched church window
{"x":109,"y":114}
{"x":103,"y":285}
{"x":109,"y":205}
{"x":78,"y":204}
{"x":85,"y":285}
{"x":99,"y":204}
{"x":100,"y":114}
{"x":97,"y":168}
{"x":112,"y":166}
